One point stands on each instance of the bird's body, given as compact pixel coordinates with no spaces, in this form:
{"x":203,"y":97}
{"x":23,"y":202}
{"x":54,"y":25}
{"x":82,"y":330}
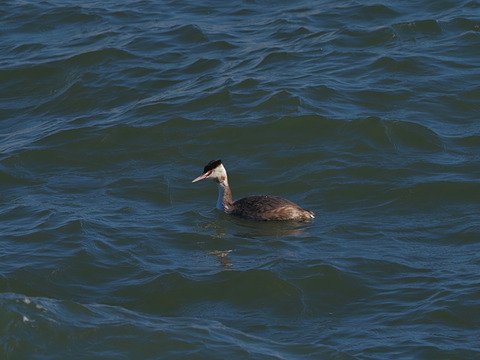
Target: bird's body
{"x":256,"y":207}
{"x":266,"y":207}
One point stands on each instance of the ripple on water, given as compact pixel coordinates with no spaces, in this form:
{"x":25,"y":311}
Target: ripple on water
{"x":363,"y":113}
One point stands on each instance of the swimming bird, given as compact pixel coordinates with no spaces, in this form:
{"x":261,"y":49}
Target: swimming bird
{"x":257,"y":207}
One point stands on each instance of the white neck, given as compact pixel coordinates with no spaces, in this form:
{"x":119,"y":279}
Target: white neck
{"x":221,"y":191}
{"x":224,"y":200}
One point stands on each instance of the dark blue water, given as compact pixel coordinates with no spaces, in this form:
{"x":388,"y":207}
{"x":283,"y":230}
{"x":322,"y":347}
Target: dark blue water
{"x":366,"y":113}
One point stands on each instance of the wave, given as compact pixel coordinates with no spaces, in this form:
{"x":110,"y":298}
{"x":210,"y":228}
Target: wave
{"x":363,"y":113}
{"x":65,"y":326}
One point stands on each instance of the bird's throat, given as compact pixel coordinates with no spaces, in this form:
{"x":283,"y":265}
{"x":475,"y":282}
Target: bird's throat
{"x":224,"y":200}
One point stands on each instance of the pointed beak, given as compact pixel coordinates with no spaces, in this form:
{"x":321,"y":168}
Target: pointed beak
{"x":201,"y":177}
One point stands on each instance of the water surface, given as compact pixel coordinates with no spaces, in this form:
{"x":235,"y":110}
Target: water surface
{"x":364,"y":112}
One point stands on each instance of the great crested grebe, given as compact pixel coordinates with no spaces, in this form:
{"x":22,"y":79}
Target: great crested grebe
{"x":257,"y":207}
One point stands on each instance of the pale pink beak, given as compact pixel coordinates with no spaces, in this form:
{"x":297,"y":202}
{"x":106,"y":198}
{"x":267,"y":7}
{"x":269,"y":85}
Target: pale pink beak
{"x":201,"y":177}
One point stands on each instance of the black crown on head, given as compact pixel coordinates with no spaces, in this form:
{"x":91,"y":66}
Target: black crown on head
{"x":211,"y":165}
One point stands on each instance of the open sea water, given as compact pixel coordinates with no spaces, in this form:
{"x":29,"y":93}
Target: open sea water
{"x":365,"y":112}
